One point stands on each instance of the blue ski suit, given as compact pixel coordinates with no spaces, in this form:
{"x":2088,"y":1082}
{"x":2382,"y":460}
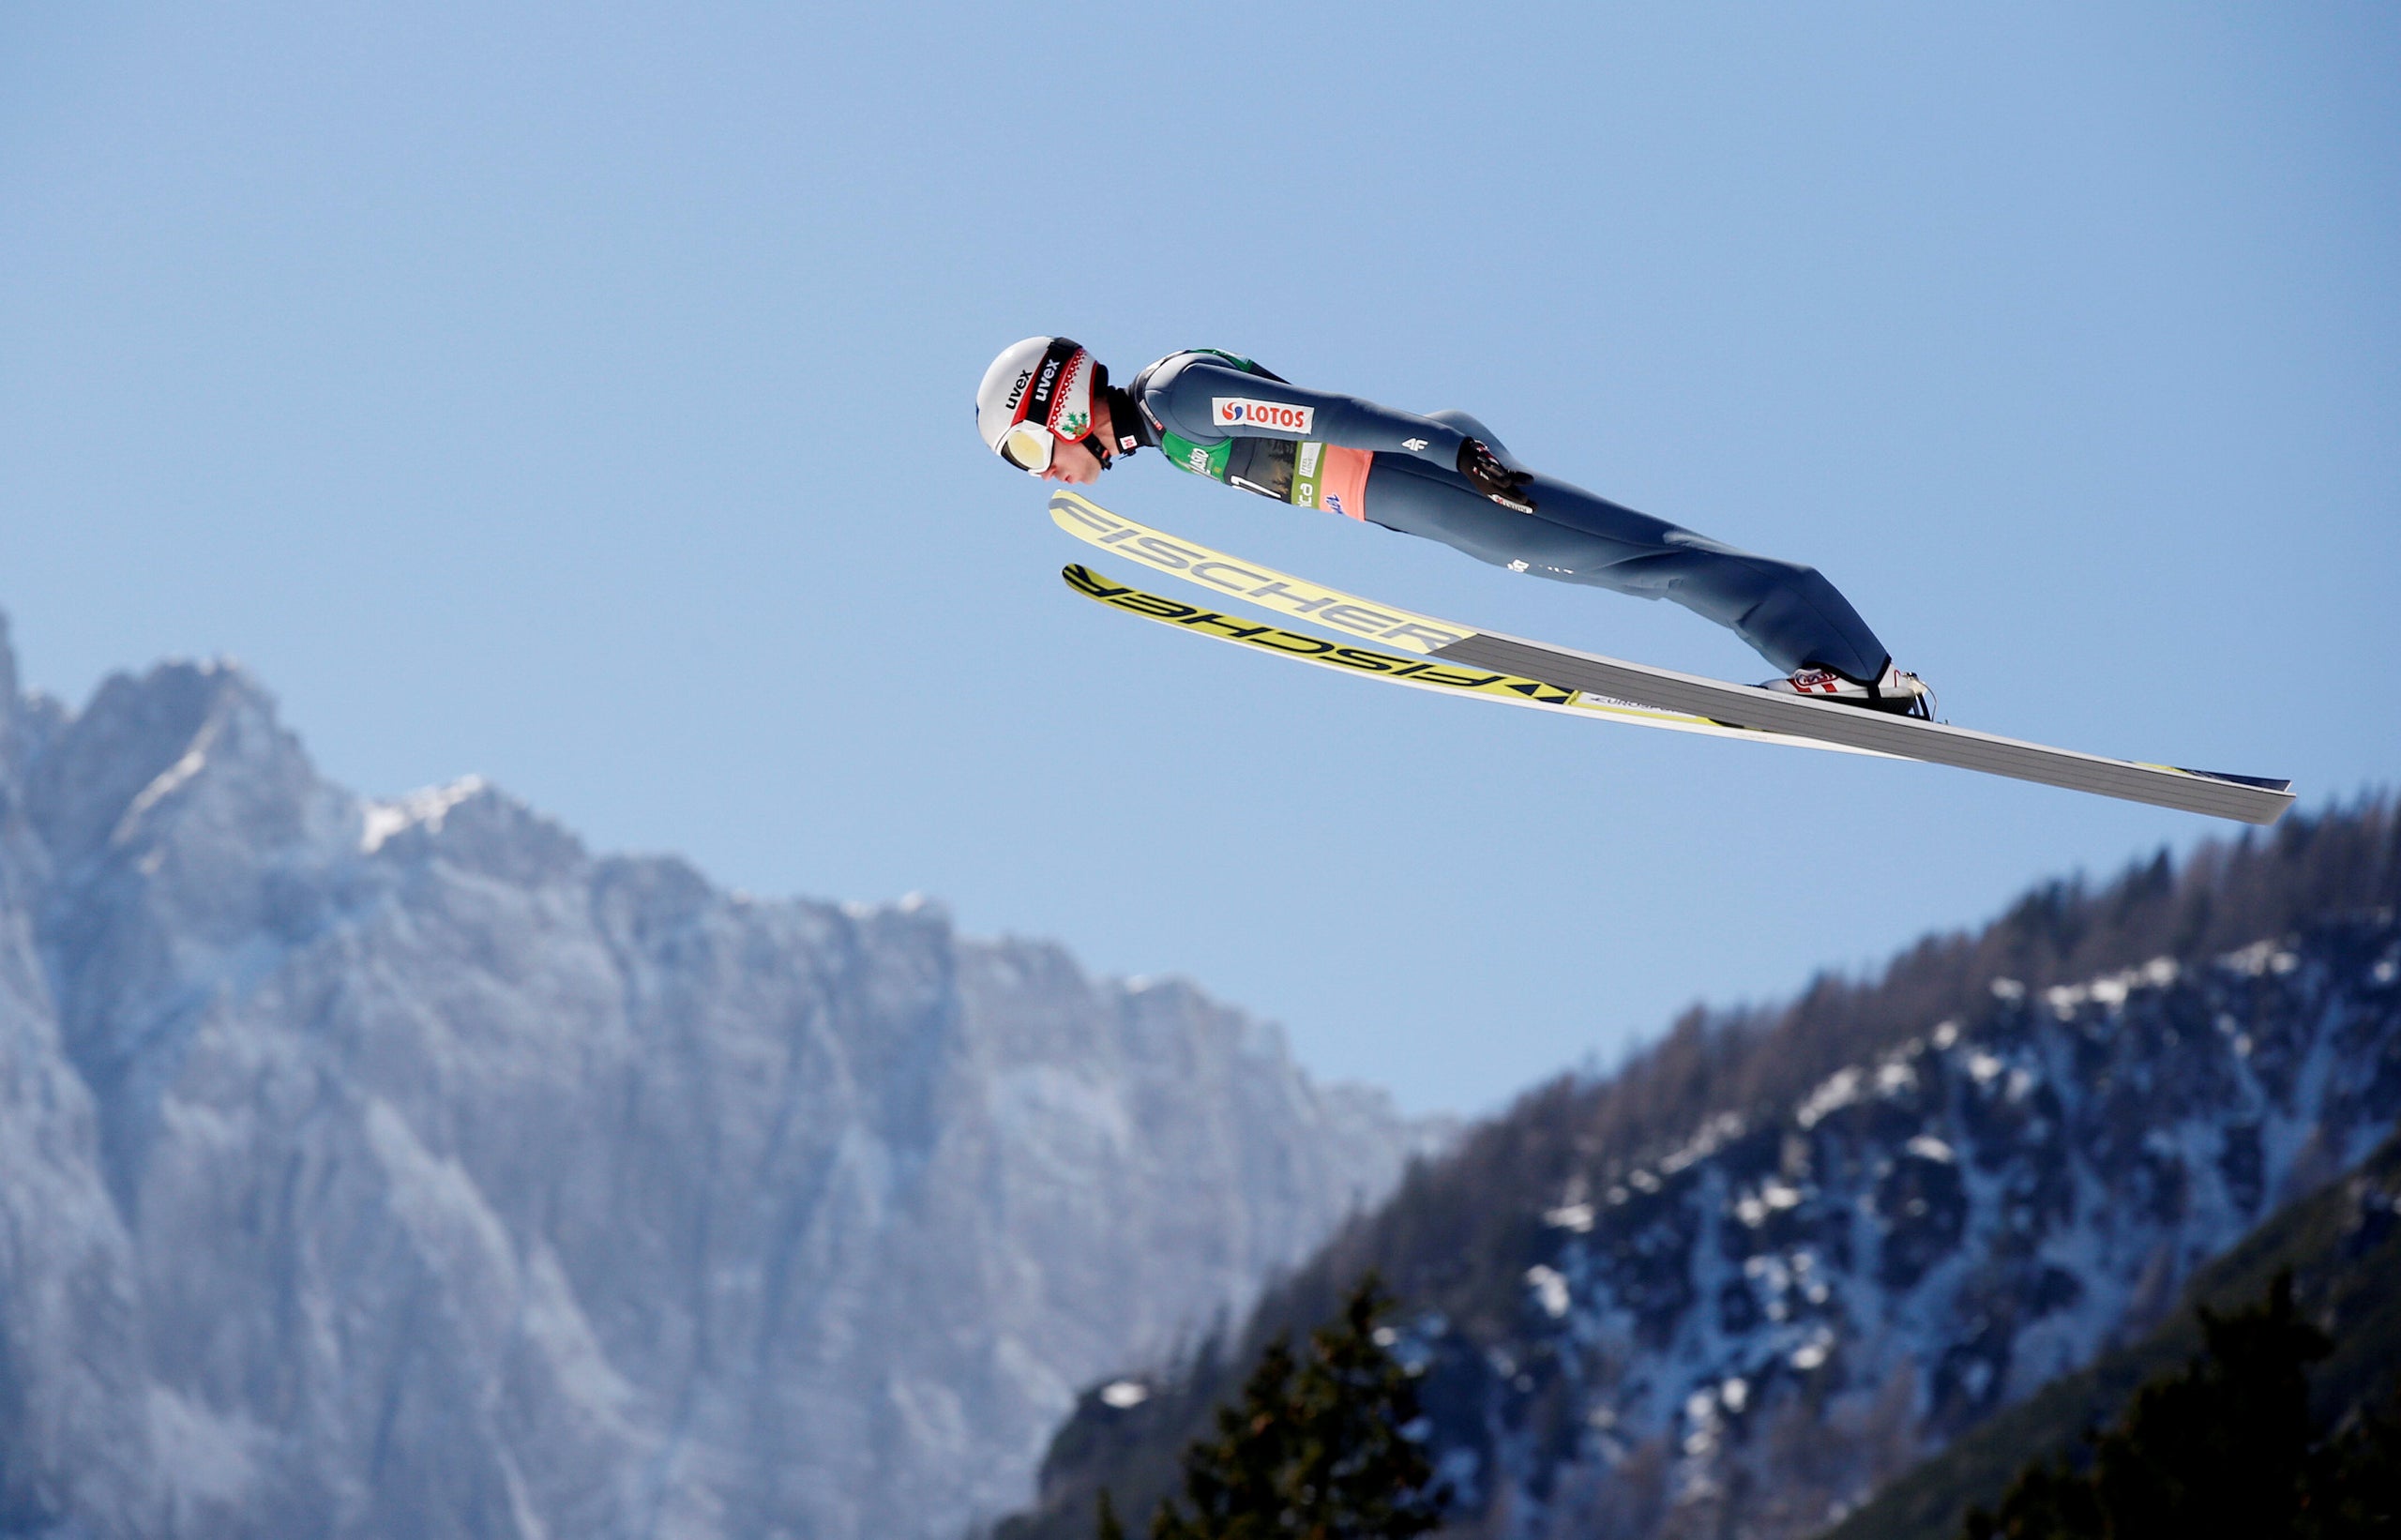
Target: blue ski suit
{"x":1224,"y":417}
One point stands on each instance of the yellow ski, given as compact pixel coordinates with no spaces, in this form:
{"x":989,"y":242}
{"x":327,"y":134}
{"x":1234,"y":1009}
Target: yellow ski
{"x":1554,"y":678}
{"x":1330,"y":607}
{"x":1508,"y":689}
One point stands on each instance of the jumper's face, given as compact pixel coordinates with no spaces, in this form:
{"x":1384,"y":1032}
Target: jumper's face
{"x":1073,"y":464}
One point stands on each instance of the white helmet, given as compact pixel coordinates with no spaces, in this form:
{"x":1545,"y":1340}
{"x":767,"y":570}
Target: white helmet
{"x":1036,"y":395}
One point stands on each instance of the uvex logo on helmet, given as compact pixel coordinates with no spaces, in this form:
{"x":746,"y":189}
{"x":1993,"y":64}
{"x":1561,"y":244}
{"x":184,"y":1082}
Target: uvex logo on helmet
{"x":1043,"y":385}
{"x":1016,"y":391}
{"x":1239,"y":411}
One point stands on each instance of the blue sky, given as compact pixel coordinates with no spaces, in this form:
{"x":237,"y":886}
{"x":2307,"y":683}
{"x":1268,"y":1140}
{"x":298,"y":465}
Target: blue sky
{"x":580,"y":396}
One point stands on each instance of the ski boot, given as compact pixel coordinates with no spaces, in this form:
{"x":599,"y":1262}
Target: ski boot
{"x":1893,"y":690}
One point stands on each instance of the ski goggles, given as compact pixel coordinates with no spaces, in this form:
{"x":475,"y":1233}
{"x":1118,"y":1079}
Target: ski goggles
{"x":1029,"y":447}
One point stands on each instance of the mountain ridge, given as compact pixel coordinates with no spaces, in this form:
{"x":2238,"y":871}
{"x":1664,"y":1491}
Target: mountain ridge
{"x":1955,"y":1170}
{"x":403,"y":1168}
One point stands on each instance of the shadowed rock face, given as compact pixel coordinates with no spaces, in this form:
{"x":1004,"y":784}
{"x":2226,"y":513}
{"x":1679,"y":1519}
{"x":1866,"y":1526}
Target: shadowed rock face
{"x":403,"y":1170}
{"x":1754,"y":1333}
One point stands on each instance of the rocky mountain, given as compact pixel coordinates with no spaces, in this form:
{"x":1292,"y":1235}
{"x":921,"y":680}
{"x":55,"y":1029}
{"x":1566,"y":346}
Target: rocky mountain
{"x":402,"y":1168}
{"x":1737,"y":1286}
{"x":2340,"y":1247}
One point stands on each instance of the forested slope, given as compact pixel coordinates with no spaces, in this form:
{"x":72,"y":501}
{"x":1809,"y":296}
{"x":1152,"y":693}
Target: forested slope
{"x":1780,"y":1255}
{"x":2342,"y":1245}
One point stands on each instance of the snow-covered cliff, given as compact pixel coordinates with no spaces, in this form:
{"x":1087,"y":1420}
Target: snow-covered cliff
{"x":1756,"y":1331}
{"x":404,"y":1169}
{"x":1733,"y":1286}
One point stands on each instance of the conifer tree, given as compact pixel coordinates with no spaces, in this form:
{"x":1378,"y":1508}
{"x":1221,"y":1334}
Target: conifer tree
{"x":2355,"y":1490}
{"x":1316,"y":1450}
{"x":2223,"y":1447}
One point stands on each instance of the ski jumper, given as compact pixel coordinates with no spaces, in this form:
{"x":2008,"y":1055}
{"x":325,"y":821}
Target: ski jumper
{"x":1224,"y":417}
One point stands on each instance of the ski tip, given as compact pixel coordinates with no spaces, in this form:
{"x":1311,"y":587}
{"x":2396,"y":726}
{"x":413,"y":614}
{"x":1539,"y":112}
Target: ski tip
{"x":1091,"y":584}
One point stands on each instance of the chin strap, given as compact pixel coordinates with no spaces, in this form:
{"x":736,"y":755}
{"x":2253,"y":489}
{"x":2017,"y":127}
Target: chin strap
{"x":1132,"y":432}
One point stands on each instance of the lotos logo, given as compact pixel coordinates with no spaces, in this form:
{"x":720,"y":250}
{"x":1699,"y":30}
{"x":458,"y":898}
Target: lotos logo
{"x":1334,"y":504}
{"x":1237,"y":411}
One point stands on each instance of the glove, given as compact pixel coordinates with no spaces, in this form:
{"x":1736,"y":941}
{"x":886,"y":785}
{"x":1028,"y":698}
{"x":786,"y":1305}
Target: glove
{"x":1484,"y":470}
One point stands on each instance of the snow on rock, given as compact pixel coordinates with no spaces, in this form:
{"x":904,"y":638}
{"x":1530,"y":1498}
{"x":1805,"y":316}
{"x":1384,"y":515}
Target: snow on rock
{"x":1764,"y":1326}
{"x":402,"y":1168}
{"x":380,"y":821}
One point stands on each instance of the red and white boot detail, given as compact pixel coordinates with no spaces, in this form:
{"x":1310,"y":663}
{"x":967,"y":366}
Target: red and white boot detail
{"x":1894,"y":690}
